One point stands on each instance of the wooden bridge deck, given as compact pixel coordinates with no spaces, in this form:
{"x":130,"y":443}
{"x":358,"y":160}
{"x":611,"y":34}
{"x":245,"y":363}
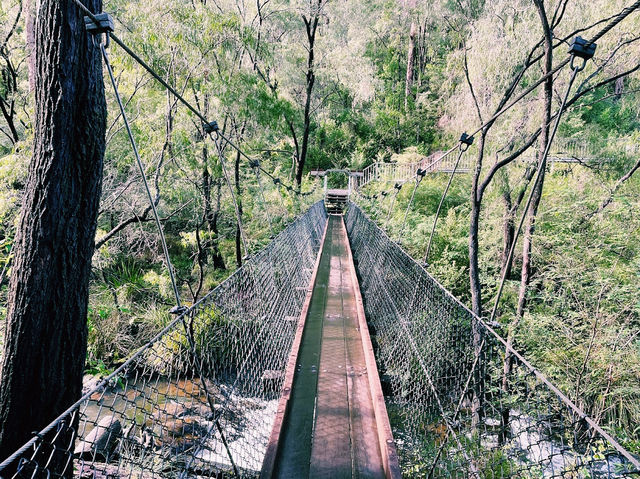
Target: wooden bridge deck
{"x":332,"y":421}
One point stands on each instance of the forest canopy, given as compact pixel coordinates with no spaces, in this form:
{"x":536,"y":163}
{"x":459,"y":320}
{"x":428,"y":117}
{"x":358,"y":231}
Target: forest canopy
{"x":319,"y":84}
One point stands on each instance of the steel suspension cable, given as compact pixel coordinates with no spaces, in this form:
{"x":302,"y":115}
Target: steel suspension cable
{"x":419,"y":176}
{"x":142,"y":174}
{"x":140,"y":61}
{"x":621,"y":16}
{"x":216,"y":140}
{"x":277,"y":184}
{"x":420,"y":360}
{"x":166,"y":85}
{"x":541,"y":166}
{"x":256,"y":168}
{"x":189,"y":332}
{"x":397,"y":187}
{"x":444,"y":194}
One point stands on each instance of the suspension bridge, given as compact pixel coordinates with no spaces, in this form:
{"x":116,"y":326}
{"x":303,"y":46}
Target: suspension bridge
{"x":329,"y":353}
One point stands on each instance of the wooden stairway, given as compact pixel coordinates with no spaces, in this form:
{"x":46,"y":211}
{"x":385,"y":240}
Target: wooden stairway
{"x":335,"y":201}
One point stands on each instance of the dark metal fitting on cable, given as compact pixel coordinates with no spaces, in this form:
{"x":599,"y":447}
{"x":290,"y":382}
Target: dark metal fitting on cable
{"x":420,"y":172}
{"x":289,"y":188}
{"x":582,"y":48}
{"x":276,"y":181}
{"x":210,"y":127}
{"x":384,"y":193}
{"x":254,"y":163}
{"x":466,"y":139}
{"x":178,"y":310}
{"x":375,"y":197}
{"x":465,"y":142}
{"x":397,"y":186}
{"x":103,"y":24}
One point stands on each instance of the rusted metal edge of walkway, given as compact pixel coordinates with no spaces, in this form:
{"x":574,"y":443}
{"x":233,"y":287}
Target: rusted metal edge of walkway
{"x":385,"y":447}
{"x":385,"y":435}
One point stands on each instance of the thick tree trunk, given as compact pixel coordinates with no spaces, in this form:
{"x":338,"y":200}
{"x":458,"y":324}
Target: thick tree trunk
{"x":474,"y":225}
{"x":508,"y":232}
{"x":410,"y":65}
{"x":45,"y":347}
{"x":218,"y":260}
{"x":238,"y":188}
{"x":30,"y":23}
{"x":211,"y":251}
{"x":477,"y":395}
{"x":525,"y":276}
{"x":311,"y":27}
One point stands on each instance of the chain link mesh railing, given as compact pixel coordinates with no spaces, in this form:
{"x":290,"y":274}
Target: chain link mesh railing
{"x":200,"y":399}
{"x":458,"y":408}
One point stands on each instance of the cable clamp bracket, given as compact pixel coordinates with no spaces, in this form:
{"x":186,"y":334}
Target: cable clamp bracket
{"x":102,"y":23}
{"x":421,"y":173}
{"x":254,"y":163}
{"x":210,"y":127}
{"x":465,"y":141}
{"x":398,"y":186}
{"x":581,"y":48}
{"x":178,"y":310}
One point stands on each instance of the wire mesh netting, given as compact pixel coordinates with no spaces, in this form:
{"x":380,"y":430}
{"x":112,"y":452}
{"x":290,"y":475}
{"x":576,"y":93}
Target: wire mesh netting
{"x":459,"y":406}
{"x":200,"y":399}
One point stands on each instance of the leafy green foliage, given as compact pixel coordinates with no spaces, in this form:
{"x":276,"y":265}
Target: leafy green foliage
{"x":246,"y":70}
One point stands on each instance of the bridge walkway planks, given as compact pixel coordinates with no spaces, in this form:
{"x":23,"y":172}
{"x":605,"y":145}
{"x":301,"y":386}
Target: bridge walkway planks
{"x":332,"y":421}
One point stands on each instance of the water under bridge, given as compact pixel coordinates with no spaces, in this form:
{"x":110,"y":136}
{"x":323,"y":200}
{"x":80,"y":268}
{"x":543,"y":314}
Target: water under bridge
{"x":330,"y":353}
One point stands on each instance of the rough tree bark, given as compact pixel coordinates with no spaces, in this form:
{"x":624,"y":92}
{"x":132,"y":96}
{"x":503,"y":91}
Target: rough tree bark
{"x":238,"y":187}
{"x":476,"y":202}
{"x":410,"y":64}
{"x":30,"y":23}
{"x":45,"y":347}
{"x":311,"y":26}
{"x":525,"y":272}
{"x":508,"y":227}
{"x":547,"y":93}
{"x":210,"y":216}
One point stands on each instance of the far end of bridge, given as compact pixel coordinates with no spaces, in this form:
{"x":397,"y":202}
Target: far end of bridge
{"x":332,"y":419}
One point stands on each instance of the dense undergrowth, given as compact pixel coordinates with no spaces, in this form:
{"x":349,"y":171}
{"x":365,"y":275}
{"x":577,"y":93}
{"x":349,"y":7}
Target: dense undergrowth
{"x":246,"y":69}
